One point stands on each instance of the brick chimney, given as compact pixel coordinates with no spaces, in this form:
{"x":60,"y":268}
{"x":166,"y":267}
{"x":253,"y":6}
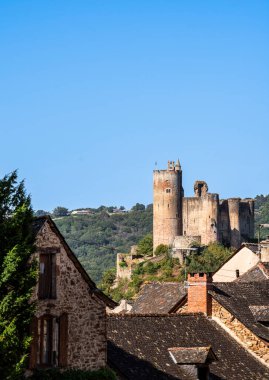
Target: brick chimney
{"x":199,"y":301}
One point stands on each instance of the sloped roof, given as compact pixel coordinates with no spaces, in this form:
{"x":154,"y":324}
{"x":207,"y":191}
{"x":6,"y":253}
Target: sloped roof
{"x":159,"y":297}
{"x":138,"y":347}
{"x":260,"y":313}
{"x":38,"y":223}
{"x":237,"y":297}
{"x":252,"y":246}
{"x":192,"y":355}
{"x":259,"y":272}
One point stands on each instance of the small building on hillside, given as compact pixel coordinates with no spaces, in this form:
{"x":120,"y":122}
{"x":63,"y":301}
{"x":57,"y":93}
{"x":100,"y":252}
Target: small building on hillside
{"x":69,"y":327}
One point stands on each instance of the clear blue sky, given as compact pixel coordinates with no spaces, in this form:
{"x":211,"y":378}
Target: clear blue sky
{"x":94,"y":92}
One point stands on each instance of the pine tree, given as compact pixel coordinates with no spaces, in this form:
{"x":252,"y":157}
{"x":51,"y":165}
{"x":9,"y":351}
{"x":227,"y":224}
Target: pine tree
{"x":17,"y":276}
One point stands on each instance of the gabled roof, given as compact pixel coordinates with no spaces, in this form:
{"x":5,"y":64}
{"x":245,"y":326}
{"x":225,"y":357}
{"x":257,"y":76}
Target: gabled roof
{"x":237,"y":297}
{"x":251,"y":246}
{"x":38,"y":224}
{"x":159,"y":297}
{"x":138,"y":347}
{"x":259,"y":272}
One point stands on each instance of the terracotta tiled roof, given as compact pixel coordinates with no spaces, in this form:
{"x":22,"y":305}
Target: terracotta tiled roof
{"x":159,"y":297}
{"x":237,"y":297}
{"x":138,"y":348}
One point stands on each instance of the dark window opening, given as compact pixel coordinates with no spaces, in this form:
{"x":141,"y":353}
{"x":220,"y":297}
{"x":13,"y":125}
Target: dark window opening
{"x":168,"y":190}
{"x":47,"y":276}
{"x":168,"y":205}
{"x":48,"y":341}
{"x":237,"y":273}
{"x":203,"y":373}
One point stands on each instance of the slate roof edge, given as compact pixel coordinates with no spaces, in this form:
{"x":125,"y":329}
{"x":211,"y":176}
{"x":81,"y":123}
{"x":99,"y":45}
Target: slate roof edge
{"x":230,"y":310}
{"x":154,"y":315}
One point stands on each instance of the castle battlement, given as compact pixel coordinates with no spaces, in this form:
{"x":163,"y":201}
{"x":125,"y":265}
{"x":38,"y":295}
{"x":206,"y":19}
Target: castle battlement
{"x":228,"y":221}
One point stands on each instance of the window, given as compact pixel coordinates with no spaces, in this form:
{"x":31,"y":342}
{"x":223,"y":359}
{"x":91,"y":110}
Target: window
{"x":49,"y":344}
{"x":237,"y":273}
{"x":48,"y":341}
{"x":168,"y":190}
{"x":47,"y":276}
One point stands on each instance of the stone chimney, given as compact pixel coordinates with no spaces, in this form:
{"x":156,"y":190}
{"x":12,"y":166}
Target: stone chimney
{"x":199,"y":301}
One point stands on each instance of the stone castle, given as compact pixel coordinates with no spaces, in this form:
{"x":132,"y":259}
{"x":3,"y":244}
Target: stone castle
{"x":203,"y":218}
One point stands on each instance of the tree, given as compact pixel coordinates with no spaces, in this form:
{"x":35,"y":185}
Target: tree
{"x":41,"y":213}
{"x":208,"y":259}
{"x":60,"y":211}
{"x":138,"y":207}
{"x":161,"y":249}
{"x":17,"y":276}
{"x":145,"y":246}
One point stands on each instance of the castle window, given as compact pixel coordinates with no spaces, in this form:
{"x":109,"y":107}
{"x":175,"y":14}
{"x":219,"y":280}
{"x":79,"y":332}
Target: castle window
{"x":168,"y":190}
{"x":237,"y":273}
{"x":47,"y":276}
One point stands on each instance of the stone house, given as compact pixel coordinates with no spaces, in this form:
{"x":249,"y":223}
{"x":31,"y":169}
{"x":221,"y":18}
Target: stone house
{"x":241,"y":308}
{"x":245,"y":260}
{"x":69,"y":327}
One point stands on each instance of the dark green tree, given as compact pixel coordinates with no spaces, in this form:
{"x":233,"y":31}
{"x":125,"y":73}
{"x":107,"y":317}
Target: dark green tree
{"x":138,"y":207}
{"x":145,"y":246}
{"x":17,"y":276}
{"x":161,"y":249}
{"x":60,"y":211}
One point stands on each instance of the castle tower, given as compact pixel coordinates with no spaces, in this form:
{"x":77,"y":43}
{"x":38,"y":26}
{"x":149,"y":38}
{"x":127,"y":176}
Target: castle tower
{"x":235,"y":236}
{"x":167,"y":204}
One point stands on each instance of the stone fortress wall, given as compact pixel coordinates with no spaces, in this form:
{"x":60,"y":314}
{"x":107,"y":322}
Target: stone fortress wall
{"x":229,"y":221}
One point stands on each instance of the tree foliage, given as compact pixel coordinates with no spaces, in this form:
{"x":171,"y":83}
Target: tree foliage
{"x":98,"y":237}
{"x":17,"y":275}
{"x":60,"y":211}
{"x":208,"y":259}
{"x":161,"y":249}
{"x":145,"y":246}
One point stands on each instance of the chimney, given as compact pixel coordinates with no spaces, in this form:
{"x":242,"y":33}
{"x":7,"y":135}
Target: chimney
{"x":199,"y":301}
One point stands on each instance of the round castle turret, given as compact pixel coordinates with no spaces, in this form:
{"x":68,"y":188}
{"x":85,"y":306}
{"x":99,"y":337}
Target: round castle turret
{"x":167,"y":204}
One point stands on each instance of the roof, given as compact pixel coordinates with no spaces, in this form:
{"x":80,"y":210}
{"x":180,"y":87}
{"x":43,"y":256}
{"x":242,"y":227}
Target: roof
{"x":252,"y":246}
{"x":260,"y":313}
{"x":237,"y":297}
{"x":259,"y":272}
{"x":138,"y":347}
{"x":159,"y":297}
{"x":38,"y":223}
{"x":192,"y":355}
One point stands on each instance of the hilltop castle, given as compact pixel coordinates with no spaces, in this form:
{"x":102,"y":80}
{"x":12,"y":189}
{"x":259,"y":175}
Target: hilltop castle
{"x":204,"y":217}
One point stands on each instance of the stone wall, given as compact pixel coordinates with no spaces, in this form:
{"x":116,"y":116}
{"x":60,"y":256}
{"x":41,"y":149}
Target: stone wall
{"x":228,"y":221}
{"x":247,"y":338}
{"x":86,"y":313}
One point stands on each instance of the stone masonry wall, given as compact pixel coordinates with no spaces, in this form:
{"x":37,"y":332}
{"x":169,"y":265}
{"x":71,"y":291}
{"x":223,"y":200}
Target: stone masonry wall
{"x":249,"y":340}
{"x":86,"y":313}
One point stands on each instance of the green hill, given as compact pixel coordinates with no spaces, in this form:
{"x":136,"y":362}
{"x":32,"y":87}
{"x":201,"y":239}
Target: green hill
{"x":98,"y":237}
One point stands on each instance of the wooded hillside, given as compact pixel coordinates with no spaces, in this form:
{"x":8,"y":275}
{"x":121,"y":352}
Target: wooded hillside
{"x":98,"y":237}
